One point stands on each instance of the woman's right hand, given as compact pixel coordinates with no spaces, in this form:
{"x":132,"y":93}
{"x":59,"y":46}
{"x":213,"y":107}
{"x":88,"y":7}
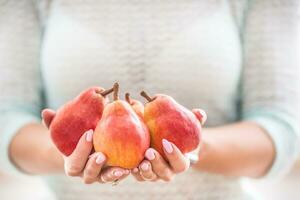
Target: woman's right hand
{"x":84,"y":163}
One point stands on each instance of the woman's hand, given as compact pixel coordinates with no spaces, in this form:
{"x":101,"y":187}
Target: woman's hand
{"x":155,"y":167}
{"x":85,"y":164}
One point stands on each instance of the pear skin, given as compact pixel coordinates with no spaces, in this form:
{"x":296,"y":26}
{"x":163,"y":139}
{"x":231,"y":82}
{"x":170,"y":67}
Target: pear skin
{"x":76,"y":117}
{"x":121,"y":135}
{"x":136,"y":105}
{"x":167,"y":119}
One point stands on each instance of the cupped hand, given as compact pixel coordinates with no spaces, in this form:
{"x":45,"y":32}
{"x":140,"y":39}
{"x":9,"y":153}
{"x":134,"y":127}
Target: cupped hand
{"x":155,"y":167}
{"x":91,"y":167}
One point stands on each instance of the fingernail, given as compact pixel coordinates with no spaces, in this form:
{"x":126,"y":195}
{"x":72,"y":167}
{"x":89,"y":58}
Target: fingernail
{"x":167,"y":146}
{"x":100,"y":158}
{"x":89,"y":135}
{"x":127,"y":171}
{"x":145,"y":166}
{"x":150,"y":154}
{"x":135,"y":170}
{"x":118,"y":173}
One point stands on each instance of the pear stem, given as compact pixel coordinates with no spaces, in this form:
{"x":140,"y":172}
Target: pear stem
{"x":116,"y":91}
{"x":127,"y":98}
{"x":106,"y":92}
{"x":146,"y":96}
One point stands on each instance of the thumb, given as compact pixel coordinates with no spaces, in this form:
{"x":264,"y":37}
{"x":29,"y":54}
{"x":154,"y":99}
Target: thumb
{"x":48,"y":115}
{"x":201,"y":115}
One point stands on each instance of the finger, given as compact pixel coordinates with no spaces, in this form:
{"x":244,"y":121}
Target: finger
{"x":112,"y":174}
{"x":47,"y":116}
{"x":201,"y":115}
{"x":136,"y":174}
{"x":159,"y":166}
{"x":93,"y":167}
{"x":146,"y":171}
{"x":75,"y":163}
{"x":178,"y":162}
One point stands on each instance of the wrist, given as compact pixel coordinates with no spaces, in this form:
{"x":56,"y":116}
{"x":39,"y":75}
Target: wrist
{"x":204,"y":151}
{"x":55,"y":161}
{"x":33,"y":152}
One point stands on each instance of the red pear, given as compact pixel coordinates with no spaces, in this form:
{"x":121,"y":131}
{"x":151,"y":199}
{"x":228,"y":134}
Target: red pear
{"x":167,"y":119}
{"x":137,"y":106}
{"x":121,"y":135}
{"x":76,"y":117}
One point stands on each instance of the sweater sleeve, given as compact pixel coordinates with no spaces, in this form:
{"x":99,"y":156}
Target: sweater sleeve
{"x":270,"y":87}
{"x":20,"y":82}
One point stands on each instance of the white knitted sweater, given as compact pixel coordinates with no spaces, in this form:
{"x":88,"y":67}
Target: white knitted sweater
{"x":235,"y":59}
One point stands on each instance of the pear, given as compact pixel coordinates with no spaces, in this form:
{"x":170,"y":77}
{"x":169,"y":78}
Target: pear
{"x":136,"y":105}
{"x":76,"y":117}
{"x":121,"y":135}
{"x":167,"y":119}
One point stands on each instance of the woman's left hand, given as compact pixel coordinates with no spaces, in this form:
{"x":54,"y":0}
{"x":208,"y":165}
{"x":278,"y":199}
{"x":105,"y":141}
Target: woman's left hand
{"x":155,"y":167}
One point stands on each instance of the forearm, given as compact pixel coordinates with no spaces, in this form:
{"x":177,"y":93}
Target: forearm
{"x":33,"y":152}
{"x":239,"y":149}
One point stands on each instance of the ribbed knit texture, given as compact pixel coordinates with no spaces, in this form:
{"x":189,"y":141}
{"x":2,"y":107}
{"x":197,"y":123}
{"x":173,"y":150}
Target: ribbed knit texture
{"x":235,"y":59}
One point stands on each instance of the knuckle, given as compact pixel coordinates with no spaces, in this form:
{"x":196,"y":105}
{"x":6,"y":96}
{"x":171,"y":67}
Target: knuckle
{"x":161,"y":171}
{"x":168,"y":178}
{"x":73,"y":170}
{"x":155,"y":179}
{"x":100,"y":181}
{"x":104,"y":179}
{"x":88,"y":181}
{"x":71,"y":173}
{"x":147,"y":176}
{"x":89,"y":172}
{"x":181,"y":168}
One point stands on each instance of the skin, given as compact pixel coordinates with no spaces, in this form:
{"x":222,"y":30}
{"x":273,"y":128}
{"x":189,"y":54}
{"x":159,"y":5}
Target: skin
{"x":226,"y":150}
{"x":40,"y":156}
